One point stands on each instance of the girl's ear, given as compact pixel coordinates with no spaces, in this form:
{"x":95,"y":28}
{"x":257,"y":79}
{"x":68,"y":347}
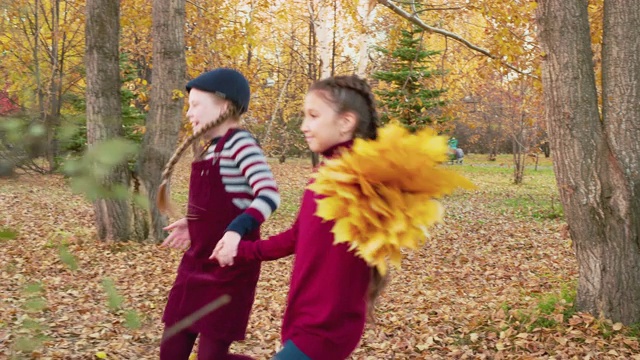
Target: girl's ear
{"x":348,"y":123}
{"x":224,"y":105}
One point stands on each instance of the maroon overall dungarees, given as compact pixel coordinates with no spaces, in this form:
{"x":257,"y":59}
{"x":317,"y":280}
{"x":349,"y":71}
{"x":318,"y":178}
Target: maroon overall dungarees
{"x":200,"y":280}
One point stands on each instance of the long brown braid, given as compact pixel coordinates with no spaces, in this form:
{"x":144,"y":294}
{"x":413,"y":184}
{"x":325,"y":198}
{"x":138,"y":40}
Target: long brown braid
{"x":353,"y":94}
{"x":163,"y":201}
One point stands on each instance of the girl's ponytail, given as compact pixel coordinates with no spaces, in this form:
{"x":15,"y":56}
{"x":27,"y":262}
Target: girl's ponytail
{"x":377,"y":283}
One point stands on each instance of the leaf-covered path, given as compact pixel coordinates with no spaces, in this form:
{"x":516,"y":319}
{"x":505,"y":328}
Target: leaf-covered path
{"x":488,"y":284}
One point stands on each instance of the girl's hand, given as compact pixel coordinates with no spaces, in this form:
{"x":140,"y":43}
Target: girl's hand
{"x":226,"y":249}
{"x":179,"y":236}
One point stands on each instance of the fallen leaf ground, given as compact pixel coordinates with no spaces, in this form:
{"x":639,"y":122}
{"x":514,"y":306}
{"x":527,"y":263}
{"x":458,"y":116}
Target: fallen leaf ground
{"x":496,"y":281}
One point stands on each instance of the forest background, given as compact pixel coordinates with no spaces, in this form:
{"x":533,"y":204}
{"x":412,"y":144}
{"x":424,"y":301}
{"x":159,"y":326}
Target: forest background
{"x":80,"y":111}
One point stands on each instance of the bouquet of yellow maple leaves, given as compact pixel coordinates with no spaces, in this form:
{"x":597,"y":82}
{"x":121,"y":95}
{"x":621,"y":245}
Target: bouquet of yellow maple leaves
{"x":383,"y":194}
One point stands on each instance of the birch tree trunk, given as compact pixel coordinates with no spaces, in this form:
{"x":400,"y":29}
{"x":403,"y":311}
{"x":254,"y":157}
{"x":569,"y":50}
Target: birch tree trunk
{"x":279,"y":102}
{"x":596,"y":156}
{"x":319,"y":11}
{"x":321,"y":14}
{"x":365,"y":15}
{"x":167,"y":102}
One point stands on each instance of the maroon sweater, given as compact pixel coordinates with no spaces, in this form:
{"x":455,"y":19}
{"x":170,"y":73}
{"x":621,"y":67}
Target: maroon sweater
{"x":326,"y":307}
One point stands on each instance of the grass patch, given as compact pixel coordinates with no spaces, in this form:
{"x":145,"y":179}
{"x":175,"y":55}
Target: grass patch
{"x":545,"y":312}
{"x":550,"y":303}
{"x":7,"y":234}
{"x":180,"y":197}
{"x":290,"y":202}
{"x":634,"y":330}
{"x":487,"y":169}
{"x":539,"y":207}
{"x":535,"y":198}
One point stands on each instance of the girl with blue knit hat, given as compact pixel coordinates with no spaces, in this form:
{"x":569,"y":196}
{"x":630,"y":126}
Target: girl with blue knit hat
{"x":232,"y":191}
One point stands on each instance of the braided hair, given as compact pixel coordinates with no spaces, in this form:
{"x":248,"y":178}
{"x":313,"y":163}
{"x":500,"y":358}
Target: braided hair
{"x":163,"y":201}
{"x":352,"y":94}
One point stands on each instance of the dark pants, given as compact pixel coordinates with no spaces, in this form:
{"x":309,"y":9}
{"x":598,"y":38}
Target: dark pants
{"x":179,"y":346}
{"x":290,"y":352}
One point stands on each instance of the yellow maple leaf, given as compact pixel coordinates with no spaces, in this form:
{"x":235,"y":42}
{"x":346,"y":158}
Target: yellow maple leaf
{"x":330,"y":208}
{"x":343,"y":231}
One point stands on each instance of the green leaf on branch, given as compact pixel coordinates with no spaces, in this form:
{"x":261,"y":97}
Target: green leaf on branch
{"x":67,"y":258}
{"x":132,"y":320}
{"x":113,"y":152}
{"x":141,"y":200}
{"x":113,"y":298}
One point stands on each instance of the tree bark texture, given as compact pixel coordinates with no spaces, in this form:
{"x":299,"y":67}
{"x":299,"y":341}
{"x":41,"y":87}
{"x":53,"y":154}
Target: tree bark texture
{"x":52,"y":114}
{"x":104,"y":110}
{"x":321,"y":24}
{"x":365,"y":11}
{"x":596,"y":156}
{"x":165,"y":114}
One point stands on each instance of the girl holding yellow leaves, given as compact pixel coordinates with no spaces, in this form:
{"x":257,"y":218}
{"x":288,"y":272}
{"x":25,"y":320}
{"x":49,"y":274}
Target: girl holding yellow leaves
{"x":372,"y":195}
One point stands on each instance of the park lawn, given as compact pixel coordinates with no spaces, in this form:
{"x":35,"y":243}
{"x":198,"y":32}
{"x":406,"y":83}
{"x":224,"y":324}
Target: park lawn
{"x":495,"y":281}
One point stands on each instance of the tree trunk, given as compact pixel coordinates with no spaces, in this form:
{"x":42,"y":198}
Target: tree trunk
{"x":518,"y":141}
{"x":546,"y":149}
{"x":365,"y":15}
{"x":274,"y":114}
{"x":322,"y":42}
{"x":52,"y":117}
{"x":518,"y":160}
{"x":104,"y":110}
{"x":596,"y":159}
{"x":323,"y":36}
{"x":36,"y":66}
{"x":165,"y":113}
{"x":313,"y":52}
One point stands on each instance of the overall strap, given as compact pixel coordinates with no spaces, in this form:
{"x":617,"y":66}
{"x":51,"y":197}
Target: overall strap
{"x":223,"y":140}
{"x":220,"y":145}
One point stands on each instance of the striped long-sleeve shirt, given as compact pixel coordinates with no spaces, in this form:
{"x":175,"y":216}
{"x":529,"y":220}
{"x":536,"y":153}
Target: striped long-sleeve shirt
{"x":247,"y":177}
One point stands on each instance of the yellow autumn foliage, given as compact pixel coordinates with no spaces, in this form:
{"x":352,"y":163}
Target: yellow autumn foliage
{"x":383,"y":194}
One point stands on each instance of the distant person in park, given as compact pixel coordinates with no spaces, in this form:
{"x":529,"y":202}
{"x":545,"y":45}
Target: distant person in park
{"x":453,"y":143}
{"x":456,"y":154}
{"x":232,"y":191}
{"x":459,"y":155}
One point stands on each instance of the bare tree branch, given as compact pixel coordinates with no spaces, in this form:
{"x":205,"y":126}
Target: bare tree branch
{"x":417,"y":21}
{"x":427,"y":6}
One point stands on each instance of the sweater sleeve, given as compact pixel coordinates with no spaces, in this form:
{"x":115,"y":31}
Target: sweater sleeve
{"x":250,"y":160}
{"x":273,"y":248}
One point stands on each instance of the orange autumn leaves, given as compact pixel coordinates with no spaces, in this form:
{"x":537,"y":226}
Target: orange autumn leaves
{"x":383,"y":193}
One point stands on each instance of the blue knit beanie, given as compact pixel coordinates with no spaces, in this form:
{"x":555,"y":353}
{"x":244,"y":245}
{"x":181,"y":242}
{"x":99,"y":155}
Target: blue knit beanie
{"x":227,"y":83}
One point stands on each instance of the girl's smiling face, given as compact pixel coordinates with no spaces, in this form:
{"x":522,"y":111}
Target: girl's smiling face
{"x":322,"y":126}
{"x":204,"y":108}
